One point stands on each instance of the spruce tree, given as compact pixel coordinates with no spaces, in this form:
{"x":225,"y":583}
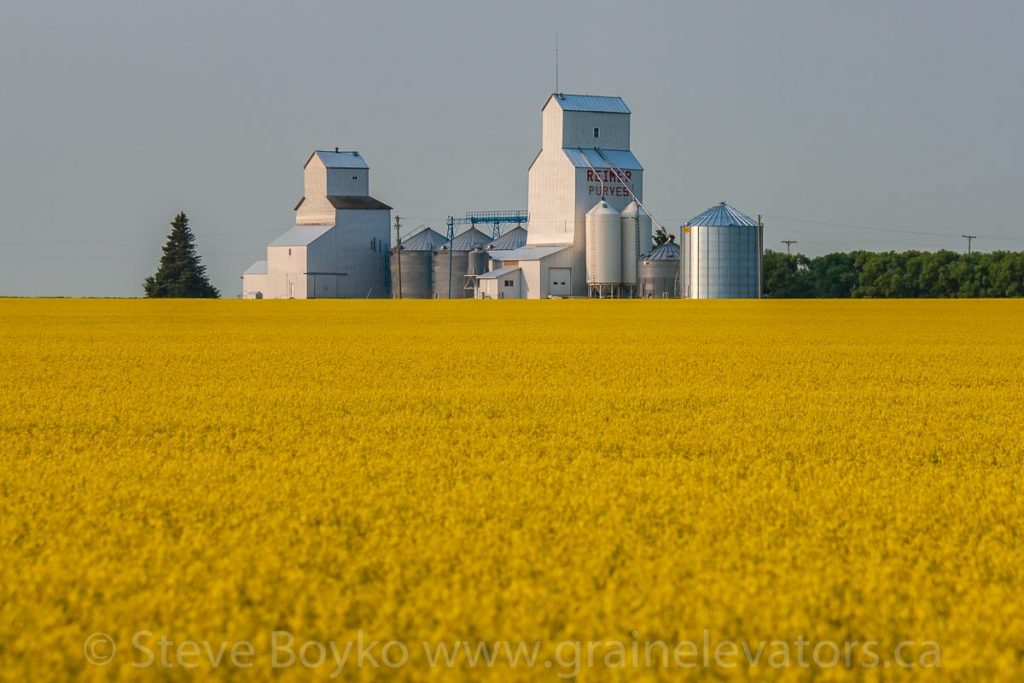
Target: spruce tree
{"x":181,"y":274}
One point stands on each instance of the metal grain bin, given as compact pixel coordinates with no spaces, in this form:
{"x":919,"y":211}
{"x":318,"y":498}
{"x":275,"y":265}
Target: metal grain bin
{"x":604,"y":246}
{"x":722,"y":255}
{"x":659,"y":272}
{"x":449,"y":281}
{"x":478,"y":261}
{"x":416,"y":265}
{"x":451,"y":264}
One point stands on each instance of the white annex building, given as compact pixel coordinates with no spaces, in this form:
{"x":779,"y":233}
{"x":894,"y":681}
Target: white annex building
{"x":584,"y":159}
{"x":341,"y":239}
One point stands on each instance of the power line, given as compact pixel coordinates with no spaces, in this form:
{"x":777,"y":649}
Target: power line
{"x":882,"y":229}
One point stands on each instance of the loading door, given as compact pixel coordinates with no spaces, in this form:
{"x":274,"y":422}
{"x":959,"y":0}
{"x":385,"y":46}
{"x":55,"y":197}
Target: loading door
{"x":559,"y":282}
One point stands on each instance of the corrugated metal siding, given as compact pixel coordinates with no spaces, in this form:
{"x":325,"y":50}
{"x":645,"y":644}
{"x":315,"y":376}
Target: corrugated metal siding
{"x":595,"y":103}
{"x":578,"y":130}
{"x":353,"y":260}
{"x":348,"y":182}
{"x":723,"y":262}
{"x":550,"y":199}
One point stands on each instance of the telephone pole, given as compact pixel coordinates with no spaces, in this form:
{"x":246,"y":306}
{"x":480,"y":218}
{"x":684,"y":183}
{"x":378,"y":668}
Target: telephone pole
{"x":969,"y":239}
{"x":788,"y":244}
{"x":398,"y":251}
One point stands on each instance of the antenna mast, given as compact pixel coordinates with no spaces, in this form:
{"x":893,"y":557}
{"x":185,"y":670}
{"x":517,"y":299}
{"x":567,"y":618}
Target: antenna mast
{"x":556,"y":61}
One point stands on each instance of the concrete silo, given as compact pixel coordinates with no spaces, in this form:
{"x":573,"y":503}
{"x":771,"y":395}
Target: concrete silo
{"x":604,"y":250}
{"x":451,"y":264}
{"x":659,"y":272}
{"x":722,"y":255}
{"x":414,"y":270}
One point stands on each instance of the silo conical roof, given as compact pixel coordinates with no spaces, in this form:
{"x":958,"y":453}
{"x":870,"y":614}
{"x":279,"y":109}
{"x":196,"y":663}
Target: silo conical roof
{"x":602,"y":207}
{"x":633,"y":209}
{"x":722,"y":216}
{"x":426,"y":239}
{"x":666,"y":252}
{"x":513,"y":239}
{"x":465,"y":241}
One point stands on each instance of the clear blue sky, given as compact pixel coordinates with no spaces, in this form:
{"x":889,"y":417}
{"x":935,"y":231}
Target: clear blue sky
{"x":116,"y":115}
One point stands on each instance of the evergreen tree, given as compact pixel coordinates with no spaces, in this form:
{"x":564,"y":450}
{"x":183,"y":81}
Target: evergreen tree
{"x":181,"y":273}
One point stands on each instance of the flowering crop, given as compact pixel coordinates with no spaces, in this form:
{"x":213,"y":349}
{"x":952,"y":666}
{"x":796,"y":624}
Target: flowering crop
{"x":546,"y":472}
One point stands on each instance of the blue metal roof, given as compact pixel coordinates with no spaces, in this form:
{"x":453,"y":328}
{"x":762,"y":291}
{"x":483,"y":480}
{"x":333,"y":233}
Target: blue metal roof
{"x":666,"y":252}
{"x":300,"y":235}
{"x":722,"y":216}
{"x":513,"y":239}
{"x":622,"y":159}
{"x":595,"y":103}
{"x":466,"y":241}
{"x":340,"y":159}
{"x":426,"y":239}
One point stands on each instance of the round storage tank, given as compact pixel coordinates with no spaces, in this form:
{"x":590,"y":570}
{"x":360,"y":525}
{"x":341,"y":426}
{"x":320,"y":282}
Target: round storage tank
{"x":478,"y":260}
{"x":452,"y":260}
{"x":415,"y":273}
{"x":630,"y":245}
{"x":416,"y":262}
{"x":659,"y":273}
{"x":456,"y":287}
{"x":636,"y":218}
{"x":604,"y":245}
{"x":722,"y":255}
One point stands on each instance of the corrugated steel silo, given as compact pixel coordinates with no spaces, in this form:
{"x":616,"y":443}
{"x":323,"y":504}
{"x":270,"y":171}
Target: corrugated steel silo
{"x":659,"y":272}
{"x":417,"y":260}
{"x":451,"y":264}
{"x":604,"y":245}
{"x":722,"y":255}
{"x":478,"y":260}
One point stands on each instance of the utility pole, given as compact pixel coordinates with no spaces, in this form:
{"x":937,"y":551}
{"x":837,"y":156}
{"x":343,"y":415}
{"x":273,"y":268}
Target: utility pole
{"x":788,"y":244}
{"x":398,"y":252}
{"x":451,"y":249}
{"x":969,"y":238}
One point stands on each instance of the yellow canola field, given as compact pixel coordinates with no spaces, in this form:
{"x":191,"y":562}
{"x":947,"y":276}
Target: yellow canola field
{"x":575,"y":476}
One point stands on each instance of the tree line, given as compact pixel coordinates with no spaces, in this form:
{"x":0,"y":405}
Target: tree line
{"x":909,"y":274}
